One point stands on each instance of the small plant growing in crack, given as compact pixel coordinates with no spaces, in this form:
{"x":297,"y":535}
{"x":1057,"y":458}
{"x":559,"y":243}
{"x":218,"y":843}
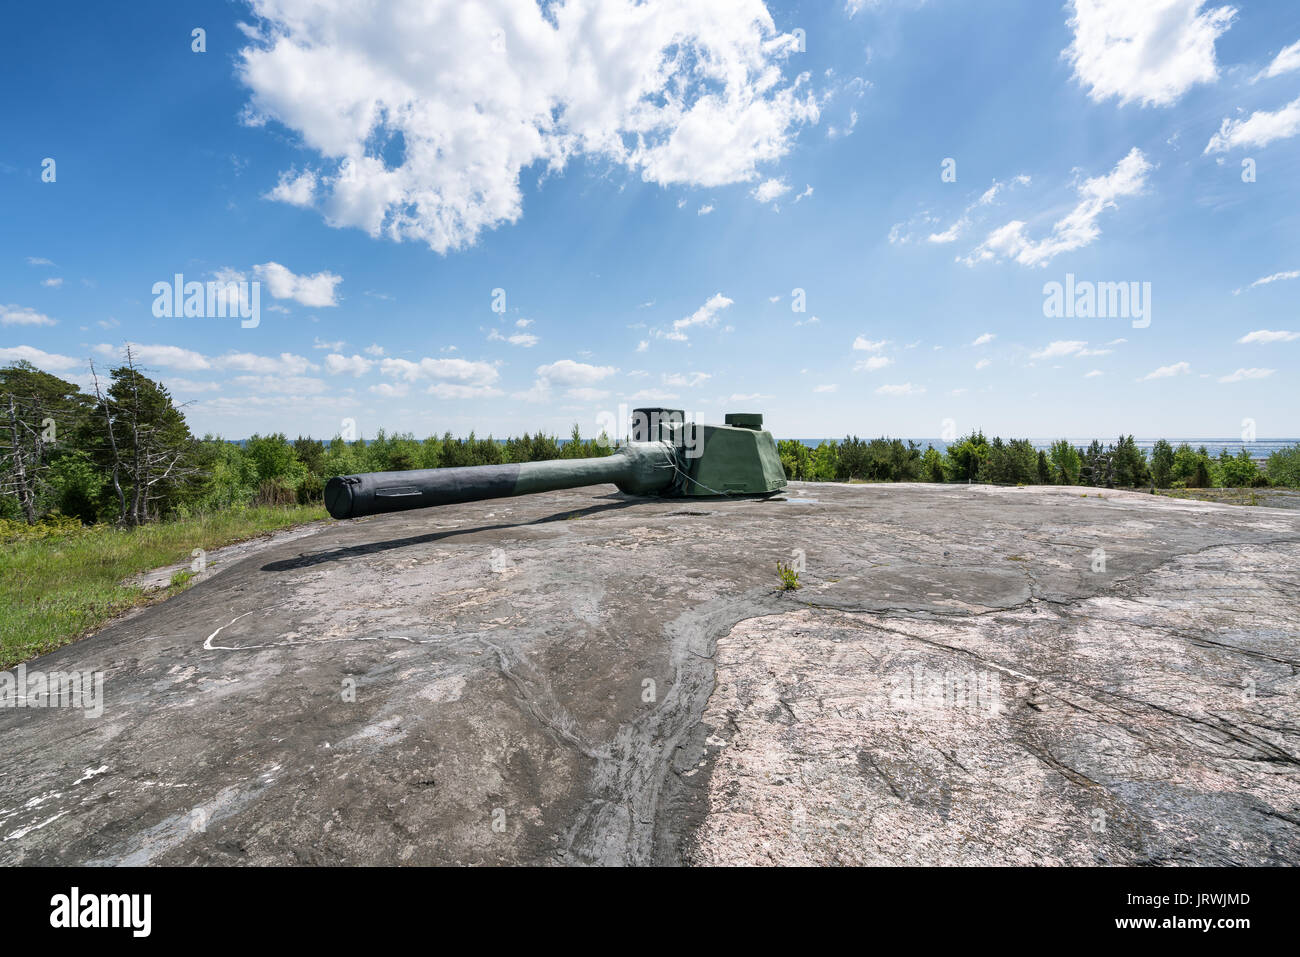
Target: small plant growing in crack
{"x":789,"y":577}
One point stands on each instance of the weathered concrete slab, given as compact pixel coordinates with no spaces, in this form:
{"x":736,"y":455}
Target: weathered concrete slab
{"x":500,"y":657}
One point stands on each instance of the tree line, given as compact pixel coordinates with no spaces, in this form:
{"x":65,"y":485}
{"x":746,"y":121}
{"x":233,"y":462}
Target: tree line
{"x":123,"y":454}
{"x":976,"y":458}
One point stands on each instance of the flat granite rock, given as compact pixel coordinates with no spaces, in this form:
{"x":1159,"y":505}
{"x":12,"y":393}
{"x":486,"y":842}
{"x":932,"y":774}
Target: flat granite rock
{"x":968,"y":675}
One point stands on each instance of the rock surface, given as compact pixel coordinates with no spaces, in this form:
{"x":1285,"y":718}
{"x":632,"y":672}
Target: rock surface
{"x":968,"y":675}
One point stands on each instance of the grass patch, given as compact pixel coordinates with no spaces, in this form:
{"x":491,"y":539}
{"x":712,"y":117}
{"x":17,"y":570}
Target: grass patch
{"x":58,"y":585}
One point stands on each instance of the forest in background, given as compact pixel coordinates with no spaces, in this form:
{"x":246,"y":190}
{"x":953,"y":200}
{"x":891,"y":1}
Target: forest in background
{"x":123,"y":455}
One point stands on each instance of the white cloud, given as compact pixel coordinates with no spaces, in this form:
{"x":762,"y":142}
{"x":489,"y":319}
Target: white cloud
{"x":390,"y":390}
{"x":1093,"y":374}
{"x":356,"y":365}
{"x":54,"y":282}
{"x":1241,"y":374}
{"x":950,"y":234}
{"x":42,"y":360}
{"x":456,"y":390}
{"x":1165,"y":372}
{"x":1075,"y":230}
{"x":190,"y":386}
{"x":457,"y":370}
{"x":770,"y":190}
{"x":170,"y":357}
{"x":319,"y":343}
{"x":281,"y":384}
{"x":1269,"y":335}
{"x":1259,"y":129}
{"x":1285,"y":62}
{"x":38,"y":261}
{"x":1078,"y":228}
{"x":286,"y":363}
{"x":525,"y":339}
{"x":1062,"y":347}
{"x":1150,"y":52}
{"x":523,"y":323}
{"x":872,"y":364}
{"x":643,"y":345}
{"x":863,"y":344}
{"x":568,"y":372}
{"x":827,"y":387}
{"x":704,"y":210}
{"x":905,"y":389}
{"x":425,"y":114}
{"x":836,"y":132}
{"x":1276,"y":277}
{"x":23,"y":316}
{"x":983,"y":364}
{"x":984,"y":339}
{"x":294,"y":188}
{"x":316,"y":290}
{"x":706,"y":315}
{"x":685,"y":380}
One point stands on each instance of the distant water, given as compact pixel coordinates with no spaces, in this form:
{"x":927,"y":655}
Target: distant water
{"x":1259,"y":449}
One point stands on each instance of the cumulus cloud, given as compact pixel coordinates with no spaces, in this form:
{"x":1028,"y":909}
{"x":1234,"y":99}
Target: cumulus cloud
{"x":706,"y":315}
{"x":23,"y":316}
{"x":1151,"y":52}
{"x":1078,"y":228}
{"x":282,"y":283}
{"x":863,"y":344}
{"x":984,"y":339}
{"x":686,"y":380}
{"x":1060,"y":348}
{"x":1269,"y":335}
{"x":464,"y":371}
{"x":1259,"y":129}
{"x":905,"y":388}
{"x":525,"y":339}
{"x":280,"y":384}
{"x":426,"y":114}
{"x":458,"y":390}
{"x":1241,"y":374}
{"x":872,"y":364}
{"x":286,"y":363}
{"x":169,"y":357}
{"x":770,"y":190}
{"x":1285,"y":62}
{"x":294,"y":188}
{"x":1166,"y":372}
{"x":49,"y":361}
{"x":354,"y":365}
{"x":569,"y":372}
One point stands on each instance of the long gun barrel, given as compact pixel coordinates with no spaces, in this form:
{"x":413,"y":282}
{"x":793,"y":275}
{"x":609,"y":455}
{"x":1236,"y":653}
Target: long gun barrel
{"x":639,"y":468}
{"x":669,"y":457}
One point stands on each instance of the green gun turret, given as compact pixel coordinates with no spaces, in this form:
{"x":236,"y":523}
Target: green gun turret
{"x":666,"y":456}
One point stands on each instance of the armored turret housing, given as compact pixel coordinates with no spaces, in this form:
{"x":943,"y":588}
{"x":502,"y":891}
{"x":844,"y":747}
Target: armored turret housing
{"x":666,"y":456}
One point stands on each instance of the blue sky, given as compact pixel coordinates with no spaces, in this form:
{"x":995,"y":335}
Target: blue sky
{"x":650,"y":186}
